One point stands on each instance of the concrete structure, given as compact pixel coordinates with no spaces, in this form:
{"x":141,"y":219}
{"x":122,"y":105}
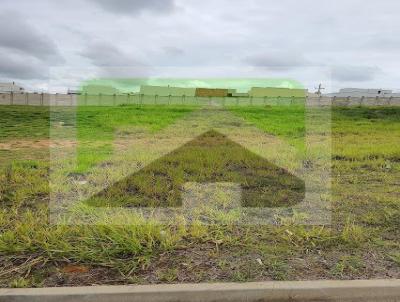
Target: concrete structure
{"x":231,"y":92}
{"x":74,"y":91}
{"x":273,"y":291}
{"x":97,"y":89}
{"x":46,"y":99}
{"x":259,"y":92}
{"x":167,"y":91}
{"x":37,"y":99}
{"x":10,"y":87}
{"x":360,"y":92}
{"x":240,"y":94}
{"x":211,"y":92}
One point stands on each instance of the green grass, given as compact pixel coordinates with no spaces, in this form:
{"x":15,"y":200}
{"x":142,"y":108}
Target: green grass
{"x":24,"y":122}
{"x":366,"y":134}
{"x":283,"y":121}
{"x":362,"y":241}
{"x":97,"y":128}
{"x":210,"y":158}
{"x":102,"y":123}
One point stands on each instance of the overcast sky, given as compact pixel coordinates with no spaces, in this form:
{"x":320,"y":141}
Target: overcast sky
{"x":55,"y":45}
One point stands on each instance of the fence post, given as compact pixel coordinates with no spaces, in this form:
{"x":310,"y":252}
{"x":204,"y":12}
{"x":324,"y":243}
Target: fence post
{"x":41,"y":99}
{"x":114,"y":99}
{"x":223,"y":101}
{"x":85,"y":99}
{"x":237,"y":101}
{"x":292,"y":100}
{"x":183,"y":99}
{"x":127,"y":98}
{"x":141,"y":98}
{"x":251,"y":101}
{"x":100,"y":101}
{"x":265,"y":100}
{"x":209,"y":100}
{"x":26,"y":98}
{"x":12,"y":98}
{"x":390,"y":100}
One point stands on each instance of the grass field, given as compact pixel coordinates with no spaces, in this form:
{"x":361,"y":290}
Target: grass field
{"x":363,"y":240}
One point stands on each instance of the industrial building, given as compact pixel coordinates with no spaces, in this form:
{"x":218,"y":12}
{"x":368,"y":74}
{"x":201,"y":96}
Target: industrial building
{"x":10,"y":87}
{"x":240,"y":94}
{"x":167,"y":91}
{"x":98,"y":89}
{"x":259,"y":92}
{"x":211,"y":92}
{"x":256,"y":92}
{"x":361,"y":92}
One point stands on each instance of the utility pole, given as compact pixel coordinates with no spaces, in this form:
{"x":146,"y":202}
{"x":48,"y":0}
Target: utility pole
{"x":319,"y":92}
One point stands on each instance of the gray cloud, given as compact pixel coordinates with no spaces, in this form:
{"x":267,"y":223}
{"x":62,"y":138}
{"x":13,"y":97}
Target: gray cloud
{"x":16,"y":34}
{"x":136,"y":6}
{"x":173,"y":51}
{"x":18,"y":67}
{"x":112,"y":61}
{"x":354,"y":73}
{"x":282,"y":35}
{"x":382,"y":42}
{"x":104,"y":54}
{"x":25,"y":53}
{"x":275,"y":60}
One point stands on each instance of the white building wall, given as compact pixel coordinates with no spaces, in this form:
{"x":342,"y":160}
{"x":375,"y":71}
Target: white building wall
{"x":167,"y":90}
{"x":360,"y":92}
{"x":10,"y":87}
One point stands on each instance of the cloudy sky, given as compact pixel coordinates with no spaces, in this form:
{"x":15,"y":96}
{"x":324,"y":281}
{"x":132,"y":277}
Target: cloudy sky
{"x":55,"y":45}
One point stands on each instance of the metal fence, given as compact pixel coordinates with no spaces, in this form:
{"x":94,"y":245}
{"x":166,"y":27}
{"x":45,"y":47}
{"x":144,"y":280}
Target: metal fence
{"x":46,"y":99}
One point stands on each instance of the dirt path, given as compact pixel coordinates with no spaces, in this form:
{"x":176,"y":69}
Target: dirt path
{"x":35,"y":144}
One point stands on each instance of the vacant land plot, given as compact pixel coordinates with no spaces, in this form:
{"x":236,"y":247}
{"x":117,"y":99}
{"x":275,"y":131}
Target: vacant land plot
{"x":363,"y":240}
